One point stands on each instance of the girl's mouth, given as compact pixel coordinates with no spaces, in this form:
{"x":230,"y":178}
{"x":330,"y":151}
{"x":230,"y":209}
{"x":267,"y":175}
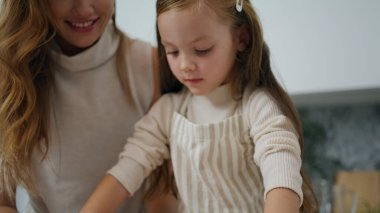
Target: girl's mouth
{"x":193,"y":80}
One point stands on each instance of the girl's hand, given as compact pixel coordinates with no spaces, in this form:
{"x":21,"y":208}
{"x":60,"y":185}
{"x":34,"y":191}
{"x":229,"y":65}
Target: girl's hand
{"x":282,"y":200}
{"x":107,"y":196}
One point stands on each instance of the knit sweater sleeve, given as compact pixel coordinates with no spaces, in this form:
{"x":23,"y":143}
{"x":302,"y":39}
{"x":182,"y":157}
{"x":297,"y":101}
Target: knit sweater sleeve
{"x":148,"y":147}
{"x":277,"y":149}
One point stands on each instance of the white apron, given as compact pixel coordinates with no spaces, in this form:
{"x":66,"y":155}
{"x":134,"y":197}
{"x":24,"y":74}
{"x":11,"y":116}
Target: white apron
{"x":213,"y":165}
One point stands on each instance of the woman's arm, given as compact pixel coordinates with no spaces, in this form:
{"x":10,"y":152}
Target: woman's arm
{"x":5,"y":205}
{"x":108,"y":196}
{"x":282,"y":200}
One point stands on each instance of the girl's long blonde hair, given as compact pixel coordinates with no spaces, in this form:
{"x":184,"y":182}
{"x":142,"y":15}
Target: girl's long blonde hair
{"x":252,"y":68}
{"x":25,"y":79}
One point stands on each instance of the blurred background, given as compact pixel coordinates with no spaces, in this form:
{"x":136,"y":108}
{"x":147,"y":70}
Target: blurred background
{"x":326,"y":54}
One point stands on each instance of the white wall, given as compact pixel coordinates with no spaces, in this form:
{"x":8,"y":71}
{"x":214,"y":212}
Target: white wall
{"x":324,"y":45}
{"x":317,"y":45}
{"x":137,"y":18}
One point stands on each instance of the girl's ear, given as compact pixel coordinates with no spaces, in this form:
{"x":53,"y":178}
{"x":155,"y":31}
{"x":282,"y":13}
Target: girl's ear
{"x":243,"y":36}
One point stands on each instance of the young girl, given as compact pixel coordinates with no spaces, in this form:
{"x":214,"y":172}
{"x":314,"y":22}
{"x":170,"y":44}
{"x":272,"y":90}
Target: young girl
{"x":232,"y":133}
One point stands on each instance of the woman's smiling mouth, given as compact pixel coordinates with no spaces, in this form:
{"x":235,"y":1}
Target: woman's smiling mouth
{"x":84,"y":26}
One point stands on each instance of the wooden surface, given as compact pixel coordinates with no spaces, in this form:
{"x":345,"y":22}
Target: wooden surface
{"x":366,"y":186}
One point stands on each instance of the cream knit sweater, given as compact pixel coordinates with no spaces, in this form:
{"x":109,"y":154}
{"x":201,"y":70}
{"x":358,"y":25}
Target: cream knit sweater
{"x":277,"y":151}
{"x":90,"y":121}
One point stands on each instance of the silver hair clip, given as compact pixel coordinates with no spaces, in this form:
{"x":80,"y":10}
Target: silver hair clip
{"x":239,"y":5}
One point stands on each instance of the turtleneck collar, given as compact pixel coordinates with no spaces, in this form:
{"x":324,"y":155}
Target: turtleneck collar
{"x":91,"y":58}
{"x":218,"y":97}
{"x":213,"y":107}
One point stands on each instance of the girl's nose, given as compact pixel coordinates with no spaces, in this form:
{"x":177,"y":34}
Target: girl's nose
{"x":186,"y":64}
{"x":83,"y":8}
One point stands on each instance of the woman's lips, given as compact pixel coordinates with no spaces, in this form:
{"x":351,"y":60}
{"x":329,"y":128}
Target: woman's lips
{"x":82,"y":26}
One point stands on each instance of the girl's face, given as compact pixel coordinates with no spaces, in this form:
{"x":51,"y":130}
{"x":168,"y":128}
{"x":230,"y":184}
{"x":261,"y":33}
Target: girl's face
{"x":200,"y":47}
{"x":79,"y":23}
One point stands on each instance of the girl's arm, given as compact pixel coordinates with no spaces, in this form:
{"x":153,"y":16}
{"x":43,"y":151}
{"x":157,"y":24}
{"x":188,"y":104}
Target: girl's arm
{"x":282,"y":200}
{"x":108,"y":196}
{"x":146,"y":150}
{"x":277,"y":153}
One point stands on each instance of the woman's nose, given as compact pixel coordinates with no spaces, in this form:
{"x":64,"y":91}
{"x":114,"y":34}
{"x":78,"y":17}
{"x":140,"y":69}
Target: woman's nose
{"x":186,"y":64}
{"x":83,"y":8}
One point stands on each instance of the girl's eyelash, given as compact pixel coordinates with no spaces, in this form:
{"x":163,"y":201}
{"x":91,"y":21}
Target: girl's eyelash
{"x":197,"y":51}
{"x":203,"y":51}
{"x":171,"y":52}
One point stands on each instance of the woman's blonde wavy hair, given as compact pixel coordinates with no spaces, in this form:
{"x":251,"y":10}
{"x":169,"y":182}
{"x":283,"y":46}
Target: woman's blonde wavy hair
{"x":25,"y":31}
{"x":251,"y":68}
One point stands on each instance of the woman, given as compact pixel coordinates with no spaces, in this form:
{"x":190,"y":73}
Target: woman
{"x":71,"y":88}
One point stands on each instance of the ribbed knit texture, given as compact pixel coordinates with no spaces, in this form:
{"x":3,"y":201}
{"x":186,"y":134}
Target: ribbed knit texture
{"x":91,"y":118}
{"x":225,"y":165}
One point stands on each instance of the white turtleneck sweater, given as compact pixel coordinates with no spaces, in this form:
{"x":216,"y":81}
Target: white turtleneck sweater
{"x":275,"y":141}
{"x":90,"y":121}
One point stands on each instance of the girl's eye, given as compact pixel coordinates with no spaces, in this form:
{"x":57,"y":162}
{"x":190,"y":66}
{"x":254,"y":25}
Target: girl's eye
{"x":174,"y":53}
{"x":202,"y":51}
